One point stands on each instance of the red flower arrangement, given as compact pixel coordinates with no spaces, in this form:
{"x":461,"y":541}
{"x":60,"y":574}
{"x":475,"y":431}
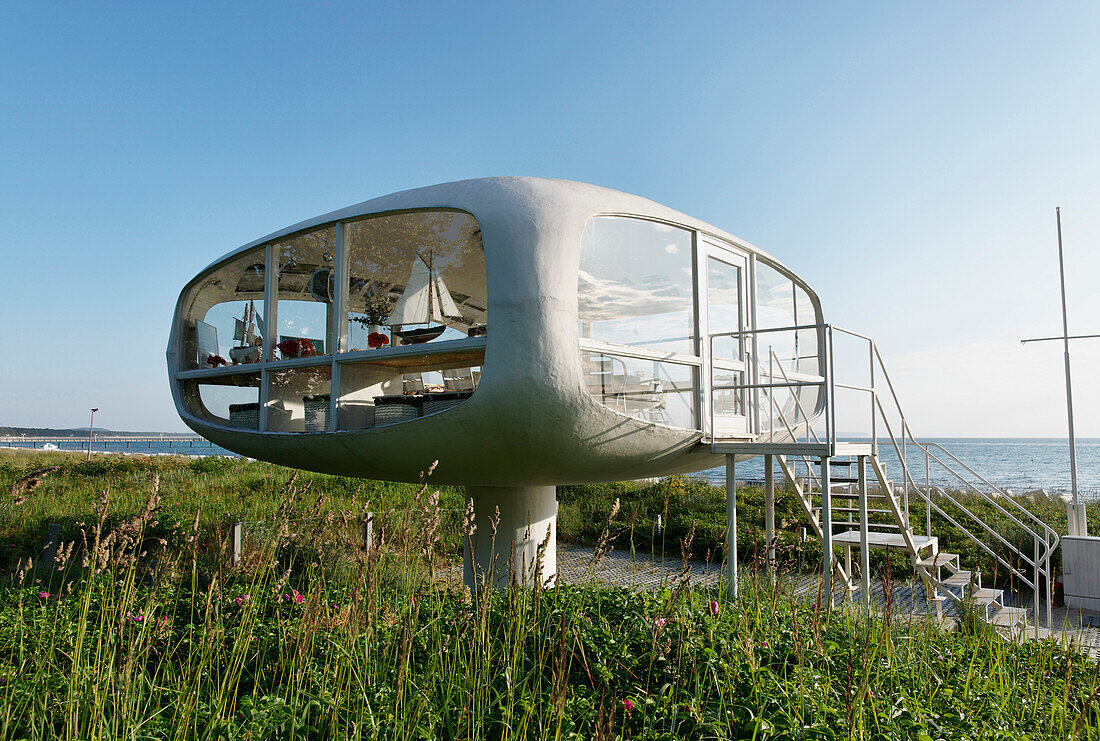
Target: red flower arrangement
{"x":375,"y":340}
{"x":297,"y":347}
{"x":216,"y":360}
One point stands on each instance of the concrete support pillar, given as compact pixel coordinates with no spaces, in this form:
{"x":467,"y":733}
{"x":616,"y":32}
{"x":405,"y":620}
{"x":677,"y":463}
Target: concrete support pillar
{"x":731,"y":527}
{"x":769,"y":510}
{"x":527,"y":515}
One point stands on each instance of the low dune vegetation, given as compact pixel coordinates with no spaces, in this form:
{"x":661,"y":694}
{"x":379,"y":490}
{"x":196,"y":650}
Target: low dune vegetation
{"x":140,"y":626}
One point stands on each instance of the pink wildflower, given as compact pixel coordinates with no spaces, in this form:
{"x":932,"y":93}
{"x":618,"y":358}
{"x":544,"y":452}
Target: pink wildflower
{"x":244,"y":599}
{"x":713,"y":606}
{"x":43,"y":595}
{"x":628,"y":705}
{"x":299,"y":598}
{"x":660,"y":622}
{"x":872,"y":694}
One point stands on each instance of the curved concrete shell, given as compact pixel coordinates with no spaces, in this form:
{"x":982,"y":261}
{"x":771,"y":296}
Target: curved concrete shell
{"x":531,"y":421}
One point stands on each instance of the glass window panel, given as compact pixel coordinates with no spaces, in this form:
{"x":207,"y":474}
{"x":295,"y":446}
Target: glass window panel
{"x":306,"y":283}
{"x":635,"y":284}
{"x":649,"y":390}
{"x":775,"y":307}
{"x":729,"y":407}
{"x":414,"y":278}
{"x":298,"y":400}
{"x":373,"y":395}
{"x":806,"y":350}
{"x":223,"y":321}
{"x":228,"y":400}
{"x":724,"y":304}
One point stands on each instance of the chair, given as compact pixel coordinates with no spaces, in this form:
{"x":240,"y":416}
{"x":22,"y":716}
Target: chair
{"x":459,"y":379}
{"x":413,"y":383}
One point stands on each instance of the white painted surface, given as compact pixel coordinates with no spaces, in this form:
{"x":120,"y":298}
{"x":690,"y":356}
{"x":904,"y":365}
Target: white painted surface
{"x":527,"y":519}
{"x":532,"y":423}
{"x":1081,"y":571}
{"x":532,"y":420}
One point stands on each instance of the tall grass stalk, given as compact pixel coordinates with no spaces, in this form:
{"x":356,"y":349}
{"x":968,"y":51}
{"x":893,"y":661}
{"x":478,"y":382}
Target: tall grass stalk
{"x":146,"y":631}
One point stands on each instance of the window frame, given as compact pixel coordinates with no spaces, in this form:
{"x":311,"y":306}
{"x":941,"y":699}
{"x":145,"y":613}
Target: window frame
{"x":335,"y":355}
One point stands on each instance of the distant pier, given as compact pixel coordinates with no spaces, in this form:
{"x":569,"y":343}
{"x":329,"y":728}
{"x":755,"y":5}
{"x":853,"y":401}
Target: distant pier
{"x":106,"y":442}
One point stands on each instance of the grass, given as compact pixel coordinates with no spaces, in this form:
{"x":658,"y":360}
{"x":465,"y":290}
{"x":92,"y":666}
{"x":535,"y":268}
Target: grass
{"x":146,"y":632}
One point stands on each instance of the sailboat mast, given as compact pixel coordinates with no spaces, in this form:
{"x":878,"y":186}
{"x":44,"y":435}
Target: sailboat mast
{"x":431,"y":286}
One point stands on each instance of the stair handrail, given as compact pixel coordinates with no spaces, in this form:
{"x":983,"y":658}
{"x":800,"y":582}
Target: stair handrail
{"x":1049,"y":538}
{"x":1048,"y":530}
{"x":794,"y":395}
{"x":752,"y":371}
{"x":973,"y":537}
{"x":1040,"y":563}
{"x":905,"y":470}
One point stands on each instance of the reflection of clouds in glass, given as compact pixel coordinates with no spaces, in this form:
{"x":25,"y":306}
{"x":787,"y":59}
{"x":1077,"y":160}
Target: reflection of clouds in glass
{"x":649,"y":331}
{"x":635,"y":283}
{"x":601,"y":300}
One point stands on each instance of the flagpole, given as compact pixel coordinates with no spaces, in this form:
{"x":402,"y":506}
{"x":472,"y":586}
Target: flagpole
{"x":1065,"y":341}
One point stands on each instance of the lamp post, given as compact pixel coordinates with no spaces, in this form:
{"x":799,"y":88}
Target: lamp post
{"x":91,"y":423}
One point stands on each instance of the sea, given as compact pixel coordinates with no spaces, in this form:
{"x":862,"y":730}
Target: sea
{"x":1014,"y":464}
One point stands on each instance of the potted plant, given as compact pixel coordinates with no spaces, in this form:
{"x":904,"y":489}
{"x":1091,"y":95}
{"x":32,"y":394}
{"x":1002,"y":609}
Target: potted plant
{"x":376,"y":309}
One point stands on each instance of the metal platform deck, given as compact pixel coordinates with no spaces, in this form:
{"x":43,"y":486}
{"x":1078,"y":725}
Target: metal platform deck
{"x":813,"y":450}
{"x":885,"y":541}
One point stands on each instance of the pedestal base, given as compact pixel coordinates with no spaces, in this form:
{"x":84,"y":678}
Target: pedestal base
{"x":528,"y":518}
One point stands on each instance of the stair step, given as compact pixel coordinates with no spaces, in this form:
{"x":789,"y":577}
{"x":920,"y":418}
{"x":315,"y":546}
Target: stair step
{"x":989,"y":597}
{"x":940,"y":559}
{"x":958,"y":579}
{"x":1009,"y":617}
{"x":856,"y":509}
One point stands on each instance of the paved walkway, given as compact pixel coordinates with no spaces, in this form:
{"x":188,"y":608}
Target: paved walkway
{"x":576,"y":564}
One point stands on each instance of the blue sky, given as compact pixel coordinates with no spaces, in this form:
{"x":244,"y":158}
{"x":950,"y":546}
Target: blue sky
{"x":905,"y":158}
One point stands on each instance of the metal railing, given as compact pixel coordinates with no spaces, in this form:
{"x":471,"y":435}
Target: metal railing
{"x":879,"y":388}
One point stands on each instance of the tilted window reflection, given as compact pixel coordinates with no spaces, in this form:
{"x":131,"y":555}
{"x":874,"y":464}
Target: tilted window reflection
{"x":414,"y":278}
{"x":635,"y":284}
{"x":223,"y":316}
{"x":307,"y":278}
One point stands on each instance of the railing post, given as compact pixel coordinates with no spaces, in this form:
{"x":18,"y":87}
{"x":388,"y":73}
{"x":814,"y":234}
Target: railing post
{"x":1050,"y":582}
{"x":826,"y":533}
{"x":731,"y":527}
{"x":769,"y":510}
{"x":235,"y":543}
{"x":874,"y":411}
{"x":368,"y":533}
{"x":1037,"y":572}
{"x":864,"y":545}
{"x":928,"y":501}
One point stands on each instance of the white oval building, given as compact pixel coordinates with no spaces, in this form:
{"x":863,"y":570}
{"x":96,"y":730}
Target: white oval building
{"x":523,"y":332}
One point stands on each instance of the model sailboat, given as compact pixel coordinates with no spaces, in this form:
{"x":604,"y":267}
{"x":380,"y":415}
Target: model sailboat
{"x":426,"y":299}
{"x":250,"y":348}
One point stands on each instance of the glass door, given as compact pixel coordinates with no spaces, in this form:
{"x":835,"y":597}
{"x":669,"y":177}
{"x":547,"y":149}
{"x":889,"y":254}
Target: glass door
{"x":726,"y":311}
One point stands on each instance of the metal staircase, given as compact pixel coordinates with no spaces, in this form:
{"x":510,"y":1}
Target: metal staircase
{"x":845,"y":510}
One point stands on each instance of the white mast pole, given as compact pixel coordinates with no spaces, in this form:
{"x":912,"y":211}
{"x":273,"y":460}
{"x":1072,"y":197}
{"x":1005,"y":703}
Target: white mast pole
{"x":1065,"y":341}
